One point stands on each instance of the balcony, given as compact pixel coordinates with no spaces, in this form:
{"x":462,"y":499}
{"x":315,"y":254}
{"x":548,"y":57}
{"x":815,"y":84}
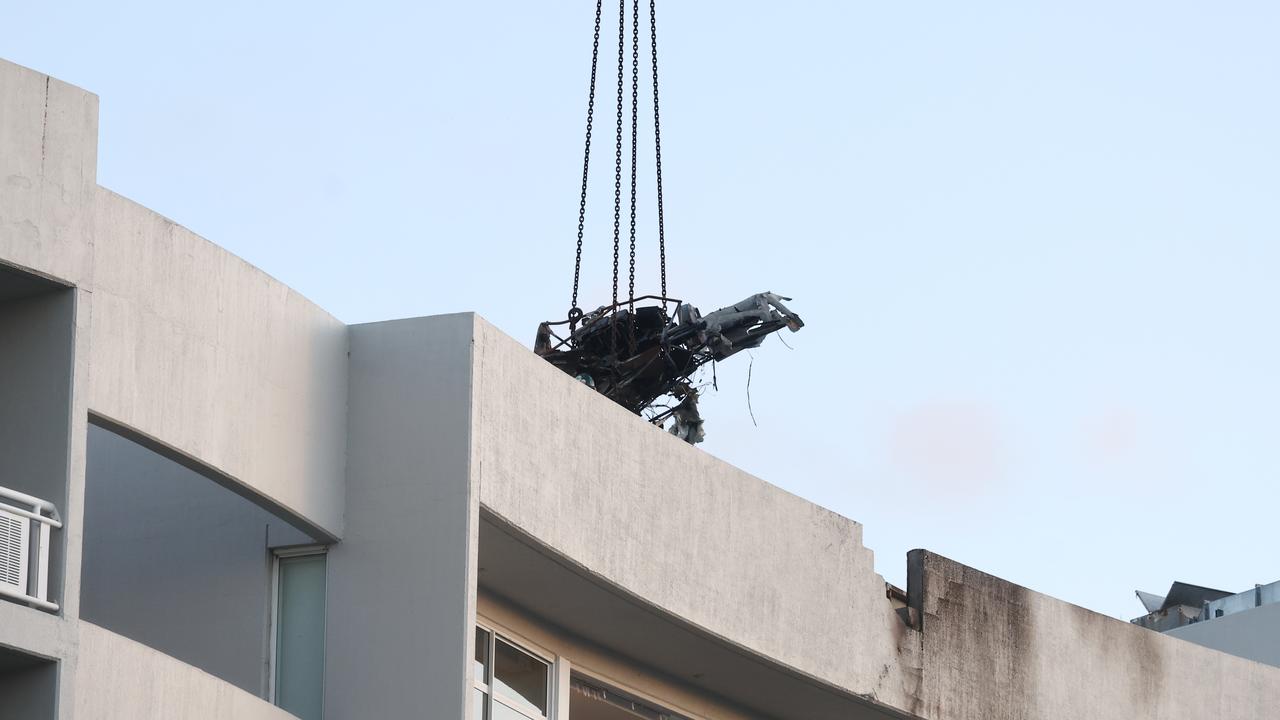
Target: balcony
{"x":25,"y":526}
{"x":37,"y":330}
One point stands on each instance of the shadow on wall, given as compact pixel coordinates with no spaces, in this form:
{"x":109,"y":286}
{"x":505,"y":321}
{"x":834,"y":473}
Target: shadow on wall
{"x":28,"y":686}
{"x":176,"y":561}
{"x":37,"y":327}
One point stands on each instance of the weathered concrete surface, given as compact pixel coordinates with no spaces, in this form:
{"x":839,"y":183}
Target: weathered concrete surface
{"x":119,"y":679}
{"x":195,"y":347}
{"x":48,"y":173}
{"x":402,"y":582}
{"x":691,"y":534}
{"x":992,"y":649}
{"x":176,"y":340}
{"x":210,"y":359}
{"x":790,"y":581}
{"x":186,"y":343}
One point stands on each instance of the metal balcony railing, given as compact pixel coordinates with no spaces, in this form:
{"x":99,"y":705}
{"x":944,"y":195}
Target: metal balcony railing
{"x":25,"y":524}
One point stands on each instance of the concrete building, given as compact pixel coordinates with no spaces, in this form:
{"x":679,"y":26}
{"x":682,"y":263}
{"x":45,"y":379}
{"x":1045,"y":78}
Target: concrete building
{"x":1246,"y":624}
{"x":257,"y":512}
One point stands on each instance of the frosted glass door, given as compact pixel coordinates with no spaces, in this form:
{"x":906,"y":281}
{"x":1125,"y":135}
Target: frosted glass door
{"x":300,"y":636}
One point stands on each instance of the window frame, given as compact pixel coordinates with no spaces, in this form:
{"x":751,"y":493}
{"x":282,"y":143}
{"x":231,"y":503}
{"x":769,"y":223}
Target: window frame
{"x":273,"y":629}
{"x":555,"y":668}
{"x":594,"y":677}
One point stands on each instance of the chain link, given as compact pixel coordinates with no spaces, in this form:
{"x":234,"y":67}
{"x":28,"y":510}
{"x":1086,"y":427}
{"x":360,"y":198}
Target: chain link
{"x":657,"y":148}
{"x":617,"y":168}
{"x":635,"y":136}
{"x":574,"y":311}
{"x":586,"y":162}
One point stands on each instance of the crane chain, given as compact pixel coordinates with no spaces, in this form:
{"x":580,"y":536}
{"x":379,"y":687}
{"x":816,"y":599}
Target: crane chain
{"x":657,"y":150}
{"x":574,"y":311}
{"x":635,"y":136}
{"x":617,"y":171}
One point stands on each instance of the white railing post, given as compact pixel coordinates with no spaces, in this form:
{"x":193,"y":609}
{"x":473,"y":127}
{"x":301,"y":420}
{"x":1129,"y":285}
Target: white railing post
{"x":42,"y":564}
{"x":20,"y":580}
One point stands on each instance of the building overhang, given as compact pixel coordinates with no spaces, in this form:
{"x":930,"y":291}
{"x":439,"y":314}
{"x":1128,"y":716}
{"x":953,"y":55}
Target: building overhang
{"x":520,"y":570}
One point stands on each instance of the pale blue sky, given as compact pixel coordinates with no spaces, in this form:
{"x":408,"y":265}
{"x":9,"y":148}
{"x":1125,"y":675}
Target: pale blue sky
{"x":1035,"y":244}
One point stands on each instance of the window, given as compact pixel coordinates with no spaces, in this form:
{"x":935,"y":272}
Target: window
{"x":298,"y":640}
{"x":591,"y":699}
{"x":511,"y":683}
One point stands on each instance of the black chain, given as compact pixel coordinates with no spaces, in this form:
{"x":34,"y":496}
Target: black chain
{"x":574,"y":311}
{"x":635,"y":135}
{"x":617,"y":164}
{"x":657,"y":147}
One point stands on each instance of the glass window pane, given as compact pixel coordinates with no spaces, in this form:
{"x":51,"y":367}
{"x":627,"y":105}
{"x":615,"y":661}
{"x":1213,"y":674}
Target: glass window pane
{"x":520,"y":678}
{"x":502,"y":712}
{"x":482,"y":657}
{"x":477,"y":705}
{"x":300,"y":636}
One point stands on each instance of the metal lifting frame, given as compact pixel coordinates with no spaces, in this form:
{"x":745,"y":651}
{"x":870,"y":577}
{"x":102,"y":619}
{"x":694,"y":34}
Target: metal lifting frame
{"x":33,"y":581}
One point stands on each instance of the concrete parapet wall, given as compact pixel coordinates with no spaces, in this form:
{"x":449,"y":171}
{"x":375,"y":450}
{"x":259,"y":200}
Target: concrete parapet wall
{"x":189,"y":346}
{"x":48,"y":173}
{"x":685,"y":531}
{"x":993,"y":649}
{"x":119,"y":679}
{"x":198,"y":349}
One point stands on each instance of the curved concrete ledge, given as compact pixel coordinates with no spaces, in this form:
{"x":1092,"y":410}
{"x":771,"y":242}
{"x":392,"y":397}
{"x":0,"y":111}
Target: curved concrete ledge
{"x":196,"y":348}
{"x":993,"y":649}
{"x":117,"y":678}
{"x":188,"y":344}
{"x":692,"y":535}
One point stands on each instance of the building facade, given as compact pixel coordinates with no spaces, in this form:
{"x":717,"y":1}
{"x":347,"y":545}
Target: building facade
{"x":1246,"y":624}
{"x":222,"y":502}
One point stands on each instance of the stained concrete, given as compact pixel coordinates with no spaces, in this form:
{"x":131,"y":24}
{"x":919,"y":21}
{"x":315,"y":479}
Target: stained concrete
{"x":993,"y":649}
{"x":694,"y":536}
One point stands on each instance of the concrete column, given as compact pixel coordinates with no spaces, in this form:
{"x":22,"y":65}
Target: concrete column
{"x":402,"y":583}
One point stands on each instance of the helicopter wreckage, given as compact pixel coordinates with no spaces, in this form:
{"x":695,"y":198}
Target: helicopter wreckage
{"x":640,"y":356}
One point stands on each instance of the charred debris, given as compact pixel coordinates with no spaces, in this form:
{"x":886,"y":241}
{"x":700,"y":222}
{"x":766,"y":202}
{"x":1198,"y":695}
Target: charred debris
{"x":645,"y":360}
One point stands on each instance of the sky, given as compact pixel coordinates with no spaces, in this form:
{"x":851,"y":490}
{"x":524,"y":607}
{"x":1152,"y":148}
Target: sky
{"x":1034,"y":243}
